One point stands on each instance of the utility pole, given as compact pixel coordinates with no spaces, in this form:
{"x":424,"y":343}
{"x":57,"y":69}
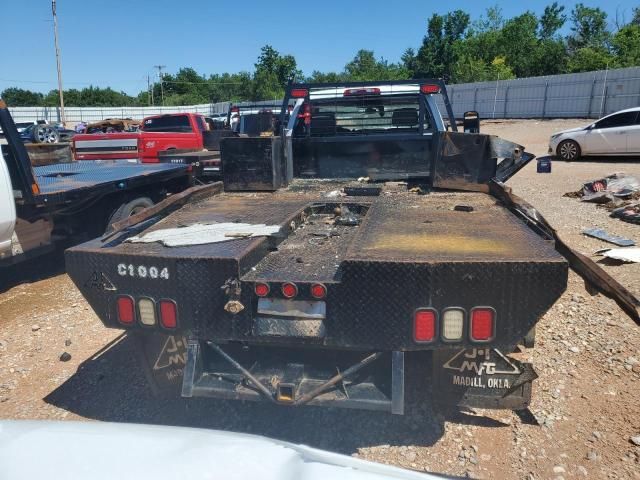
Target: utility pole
{"x":55,"y":38}
{"x":160,"y":67}
{"x":149,"y":91}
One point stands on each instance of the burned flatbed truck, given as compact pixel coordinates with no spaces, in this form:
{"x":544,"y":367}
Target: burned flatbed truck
{"x":363,"y":256}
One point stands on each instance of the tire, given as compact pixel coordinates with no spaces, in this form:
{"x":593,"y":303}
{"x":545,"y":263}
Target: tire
{"x":45,"y":134}
{"x":129,"y":209}
{"x":569,"y":150}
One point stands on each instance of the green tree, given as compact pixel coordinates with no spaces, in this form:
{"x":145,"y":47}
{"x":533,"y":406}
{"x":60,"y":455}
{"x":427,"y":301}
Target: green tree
{"x":273,"y":72}
{"x":626,"y":46}
{"x":587,"y":59}
{"x":552,"y":20}
{"x":437,"y":54}
{"x":18,"y":97}
{"x":589,"y":26}
{"x":365,"y":67}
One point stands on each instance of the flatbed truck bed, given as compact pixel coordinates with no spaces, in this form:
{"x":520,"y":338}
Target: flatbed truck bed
{"x":362,"y":257}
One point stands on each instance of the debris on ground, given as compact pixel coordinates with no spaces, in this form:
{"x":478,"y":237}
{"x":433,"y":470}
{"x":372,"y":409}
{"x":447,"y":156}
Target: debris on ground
{"x":603,"y":235}
{"x":616,"y":185}
{"x":628,"y":213}
{"x":463,"y":208}
{"x":631,"y":255}
{"x":65,"y":357}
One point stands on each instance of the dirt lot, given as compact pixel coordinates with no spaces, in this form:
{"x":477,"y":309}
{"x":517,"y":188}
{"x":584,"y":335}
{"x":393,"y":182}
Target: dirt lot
{"x":583,"y":415}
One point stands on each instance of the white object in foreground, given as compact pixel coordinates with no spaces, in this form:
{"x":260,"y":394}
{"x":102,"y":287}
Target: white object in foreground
{"x":96,"y":450}
{"x":200,"y":234}
{"x":623,"y":254}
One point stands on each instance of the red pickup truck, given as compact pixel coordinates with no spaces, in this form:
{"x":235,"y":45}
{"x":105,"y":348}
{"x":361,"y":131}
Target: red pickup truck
{"x":178,"y":131}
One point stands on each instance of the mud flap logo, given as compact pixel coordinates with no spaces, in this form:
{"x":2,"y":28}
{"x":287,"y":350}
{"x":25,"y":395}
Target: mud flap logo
{"x":173,"y":354}
{"x":475,"y":368}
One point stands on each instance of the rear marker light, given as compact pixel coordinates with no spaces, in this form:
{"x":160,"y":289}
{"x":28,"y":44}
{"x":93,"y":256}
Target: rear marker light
{"x":424,"y":325}
{"x":299,"y":92}
{"x":482,"y":324}
{"x":429,"y":88}
{"x":126,"y":310}
{"x":289,"y":290}
{"x":261,"y":289}
{"x":452,"y":324}
{"x":361,"y":91}
{"x":318,"y":291}
{"x":168,"y":314}
{"x":147,"y":311}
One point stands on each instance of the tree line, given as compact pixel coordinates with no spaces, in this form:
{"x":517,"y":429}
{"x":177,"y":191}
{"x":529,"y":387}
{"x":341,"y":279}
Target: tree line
{"x":454,"y":48}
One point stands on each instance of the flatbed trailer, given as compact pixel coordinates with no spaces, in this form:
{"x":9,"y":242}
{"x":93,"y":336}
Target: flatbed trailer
{"x":48,"y":205}
{"x":320,"y":286}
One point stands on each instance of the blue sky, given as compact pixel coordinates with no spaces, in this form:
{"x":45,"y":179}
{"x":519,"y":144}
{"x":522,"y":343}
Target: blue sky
{"x":116,"y":42}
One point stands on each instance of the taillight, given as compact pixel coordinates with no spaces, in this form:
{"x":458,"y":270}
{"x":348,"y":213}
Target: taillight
{"x":289,"y":290}
{"x":147,"y":311}
{"x":482,"y":324}
{"x":261,"y":289}
{"x":168,"y":314}
{"x":318,"y":291}
{"x":429,"y":88}
{"x":126,"y":310}
{"x":452,"y":324}
{"x":306,"y":114}
{"x":299,"y":92}
{"x":424,"y":325}
{"x":350,"y":92}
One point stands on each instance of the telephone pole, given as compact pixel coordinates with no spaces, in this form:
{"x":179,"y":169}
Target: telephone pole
{"x":55,"y":38}
{"x":160,"y":67}
{"x":149,"y":91}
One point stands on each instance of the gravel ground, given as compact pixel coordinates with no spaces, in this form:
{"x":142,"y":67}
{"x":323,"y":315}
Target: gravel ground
{"x":582,"y":418}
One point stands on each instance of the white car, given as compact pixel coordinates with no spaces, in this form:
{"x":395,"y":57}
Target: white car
{"x":616,"y":134}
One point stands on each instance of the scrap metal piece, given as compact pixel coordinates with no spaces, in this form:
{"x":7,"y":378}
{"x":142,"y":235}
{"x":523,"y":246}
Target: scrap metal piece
{"x":602,"y":235}
{"x":631,"y":255}
{"x":582,"y":265}
{"x":201,"y":234}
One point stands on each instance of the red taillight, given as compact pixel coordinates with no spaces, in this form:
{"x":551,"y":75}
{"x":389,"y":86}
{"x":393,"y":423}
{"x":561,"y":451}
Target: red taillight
{"x":424,"y":325}
{"x":299,"y":92}
{"x":350,"y":92}
{"x":126,"y":310}
{"x":261,"y":289}
{"x":289,"y":290}
{"x":235,"y":109}
{"x":318,"y":291}
{"x":306,"y":114}
{"x":429,"y":88}
{"x":168,"y":314}
{"x":482,"y":324}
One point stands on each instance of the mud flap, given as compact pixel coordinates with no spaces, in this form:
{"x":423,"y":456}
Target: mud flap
{"x":482,"y":378}
{"x":163,"y":358}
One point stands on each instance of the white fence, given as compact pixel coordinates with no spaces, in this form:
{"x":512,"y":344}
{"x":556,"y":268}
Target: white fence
{"x":577,"y":95}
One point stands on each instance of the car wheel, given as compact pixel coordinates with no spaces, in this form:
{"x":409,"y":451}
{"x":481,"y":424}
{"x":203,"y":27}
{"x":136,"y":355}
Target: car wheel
{"x":128,"y":209}
{"x":45,"y":134}
{"x":569,"y":150}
